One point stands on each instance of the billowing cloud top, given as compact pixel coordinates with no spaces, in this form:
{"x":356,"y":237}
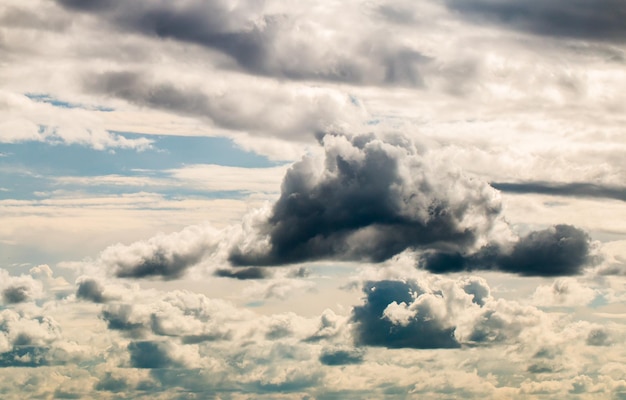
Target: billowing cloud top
{"x":369,"y":199}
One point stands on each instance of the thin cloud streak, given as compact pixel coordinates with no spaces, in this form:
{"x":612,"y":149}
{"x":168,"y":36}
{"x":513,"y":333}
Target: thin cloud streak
{"x":577,"y":189}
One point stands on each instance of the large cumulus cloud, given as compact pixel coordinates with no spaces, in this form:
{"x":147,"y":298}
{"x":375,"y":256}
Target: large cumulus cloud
{"x":370,"y":199}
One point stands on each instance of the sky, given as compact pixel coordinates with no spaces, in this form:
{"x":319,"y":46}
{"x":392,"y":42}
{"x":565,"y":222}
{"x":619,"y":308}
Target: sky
{"x":312,"y":200}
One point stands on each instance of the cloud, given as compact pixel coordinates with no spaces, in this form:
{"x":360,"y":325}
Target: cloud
{"x":150,"y":354}
{"x":191,"y":317}
{"x":278,"y":288}
{"x":243,"y":273}
{"x":26,"y":341}
{"x":439,"y":313}
{"x":341,"y":356}
{"x":376,"y":327}
{"x":91,"y":290}
{"x":15,"y":294}
{"x":163,"y":256}
{"x":598,"y":337}
{"x":370,"y":199}
{"x":240,"y":106}
{"x":26,"y":119}
{"x":556,"y":251}
{"x":580,"y":19}
{"x":330,"y":326}
{"x":564,"y":293}
{"x":20,"y":289}
{"x":564,"y":189}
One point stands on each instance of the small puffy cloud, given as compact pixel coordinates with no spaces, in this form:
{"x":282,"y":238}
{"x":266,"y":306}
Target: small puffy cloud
{"x":91,"y":290}
{"x":19,"y":289}
{"x":163,"y":256}
{"x":598,"y":336}
{"x":330,"y":326}
{"x":564,"y":292}
{"x":151,"y":354}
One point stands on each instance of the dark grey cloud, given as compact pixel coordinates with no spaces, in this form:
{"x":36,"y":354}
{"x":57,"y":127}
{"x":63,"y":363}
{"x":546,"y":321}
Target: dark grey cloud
{"x":557,"y":251}
{"x":134,"y":87}
{"x":421,"y":331}
{"x":15,"y":294}
{"x":579,"y":189}
{"x":206,"y":337}
{"x":341,"y":356}
{"x":372,"y":200}
{"x":158,"y":264}
{"x":259,"y":43}
{"x":25,"y":356}
{"x":119,"y":318}
{"x":228,"y":110}
{"x":598,"y":337}
{"x":91,"y":290}
{"x":109,"y":383}
{"x":596,"y":20}
{"x":150,"y":354}
{"x":243,"y":273}
{"x":540,"y":368}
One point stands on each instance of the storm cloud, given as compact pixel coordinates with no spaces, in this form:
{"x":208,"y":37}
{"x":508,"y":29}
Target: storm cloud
{"x":557,"y":251}
{"x":370,"y":199}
